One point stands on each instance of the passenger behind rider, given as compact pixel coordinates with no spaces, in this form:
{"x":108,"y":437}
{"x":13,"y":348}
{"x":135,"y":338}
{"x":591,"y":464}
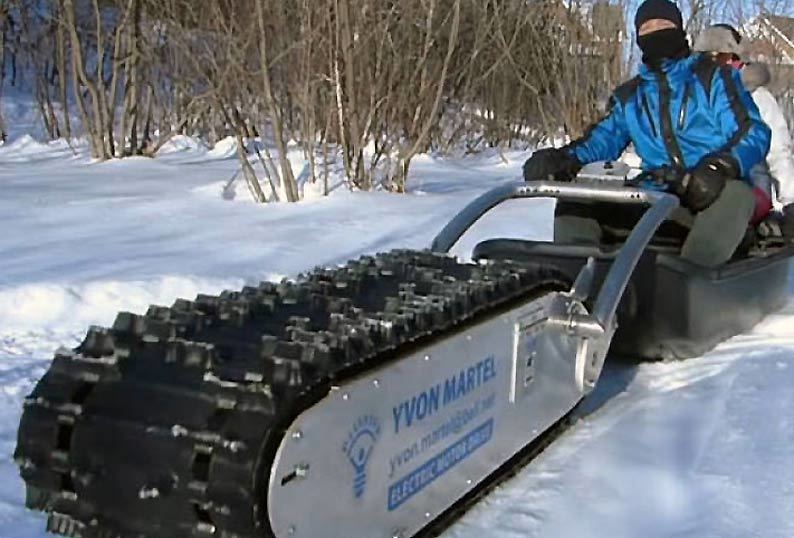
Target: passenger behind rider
{"x":695,"y":128}
{"x":724,"y":44}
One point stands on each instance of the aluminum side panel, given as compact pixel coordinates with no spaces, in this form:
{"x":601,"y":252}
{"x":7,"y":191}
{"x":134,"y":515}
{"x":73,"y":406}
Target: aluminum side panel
{"x":386,"y":453}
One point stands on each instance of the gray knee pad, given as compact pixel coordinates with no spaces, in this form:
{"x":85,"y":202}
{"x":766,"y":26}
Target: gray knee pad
{"x":718,"y":229}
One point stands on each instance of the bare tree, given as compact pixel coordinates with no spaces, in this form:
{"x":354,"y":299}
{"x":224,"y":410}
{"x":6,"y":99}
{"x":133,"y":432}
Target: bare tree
{"x":3,"y":24}
{"x":368,"y":84}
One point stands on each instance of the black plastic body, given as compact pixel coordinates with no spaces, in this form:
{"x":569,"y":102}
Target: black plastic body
{"x":671,"y":309}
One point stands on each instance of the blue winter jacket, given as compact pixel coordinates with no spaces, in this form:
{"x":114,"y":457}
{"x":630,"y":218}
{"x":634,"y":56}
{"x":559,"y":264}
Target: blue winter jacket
{"x":673,"y":119}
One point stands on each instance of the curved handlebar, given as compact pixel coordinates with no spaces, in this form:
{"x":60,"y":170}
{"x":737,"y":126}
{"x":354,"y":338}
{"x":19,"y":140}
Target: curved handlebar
{"x":661,"y":205}
{"x":603,"y":191}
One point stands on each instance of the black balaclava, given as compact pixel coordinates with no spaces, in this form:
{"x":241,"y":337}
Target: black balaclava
{"x":670,"y":43}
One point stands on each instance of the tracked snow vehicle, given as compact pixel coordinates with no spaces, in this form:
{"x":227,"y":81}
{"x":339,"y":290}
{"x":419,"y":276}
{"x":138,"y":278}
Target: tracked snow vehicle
{"x":366,"y":400}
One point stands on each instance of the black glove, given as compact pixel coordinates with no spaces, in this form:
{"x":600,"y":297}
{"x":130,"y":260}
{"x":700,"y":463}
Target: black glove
{"x":551,"y":163}
{"x":702,"y":185}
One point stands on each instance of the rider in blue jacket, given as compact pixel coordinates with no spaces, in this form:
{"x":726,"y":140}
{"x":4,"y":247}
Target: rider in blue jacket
{"x":696,"y":129}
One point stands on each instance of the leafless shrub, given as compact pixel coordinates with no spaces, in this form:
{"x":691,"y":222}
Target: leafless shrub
{"x":372,"y":82}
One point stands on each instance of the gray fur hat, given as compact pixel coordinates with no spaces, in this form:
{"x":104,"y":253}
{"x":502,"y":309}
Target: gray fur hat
{"x":719,"y":38}
{"x":755,"y":75}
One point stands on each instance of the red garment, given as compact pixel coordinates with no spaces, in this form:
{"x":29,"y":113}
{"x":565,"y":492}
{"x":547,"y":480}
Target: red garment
{"x":763,"y":205}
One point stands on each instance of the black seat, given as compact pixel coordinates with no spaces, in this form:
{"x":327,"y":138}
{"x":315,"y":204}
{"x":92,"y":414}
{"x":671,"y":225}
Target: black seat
{"x":525,"y":250}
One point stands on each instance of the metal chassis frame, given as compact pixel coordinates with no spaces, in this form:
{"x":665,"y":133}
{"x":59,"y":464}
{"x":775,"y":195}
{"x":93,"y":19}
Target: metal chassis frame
{"x":602,"y":320}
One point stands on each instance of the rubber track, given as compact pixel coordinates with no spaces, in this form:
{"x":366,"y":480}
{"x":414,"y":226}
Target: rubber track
{"x":165,"y":425}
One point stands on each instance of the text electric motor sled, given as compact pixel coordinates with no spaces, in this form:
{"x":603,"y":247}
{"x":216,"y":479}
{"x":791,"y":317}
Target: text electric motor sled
{"x":367,"y":400}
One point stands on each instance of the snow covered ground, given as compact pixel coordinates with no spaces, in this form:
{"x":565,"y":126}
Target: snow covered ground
{"x":694,"y":449}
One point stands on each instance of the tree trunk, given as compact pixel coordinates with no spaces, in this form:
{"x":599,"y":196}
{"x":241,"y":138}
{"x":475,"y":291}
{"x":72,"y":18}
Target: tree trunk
{"x":93,"y":123}
{"x":60,"y":59}
{"x":3,"y":37}
{"x":287,"y":176}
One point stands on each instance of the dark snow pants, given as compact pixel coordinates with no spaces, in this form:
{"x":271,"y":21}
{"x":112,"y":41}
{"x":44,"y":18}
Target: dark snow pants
{"x":709,"y":238}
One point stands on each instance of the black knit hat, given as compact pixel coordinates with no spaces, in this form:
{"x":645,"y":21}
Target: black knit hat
{"x":658,"y":9}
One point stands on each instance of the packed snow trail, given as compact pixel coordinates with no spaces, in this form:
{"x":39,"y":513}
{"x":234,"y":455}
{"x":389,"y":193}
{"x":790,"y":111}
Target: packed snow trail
{"x":697,"y":448}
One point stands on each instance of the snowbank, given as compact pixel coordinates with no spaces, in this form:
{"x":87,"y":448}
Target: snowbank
{"x":48,"y":306}
{"x":691,"y":449}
